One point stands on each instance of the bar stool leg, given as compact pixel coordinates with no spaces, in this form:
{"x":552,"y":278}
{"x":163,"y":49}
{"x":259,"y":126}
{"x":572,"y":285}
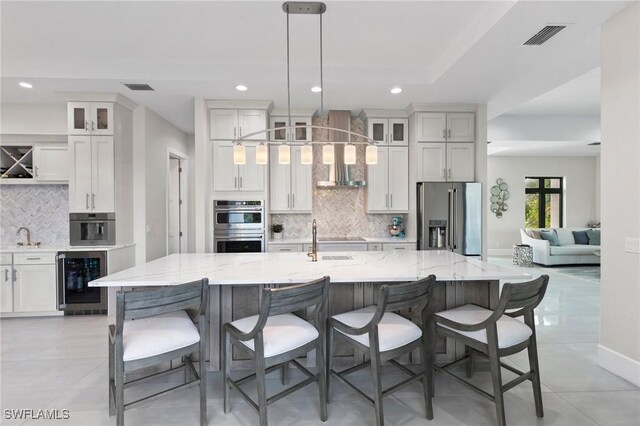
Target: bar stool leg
{"x":427,"y":362}
{"x":494,"y":361}
{"x":377,"y":385}
{"x":329,"y":362}
{"x":112,"y":381}
{"x":532,"y":350}
{"x":202,"y":366}
{"x":119,"y":391}
{"x":469,"y":352}
{"x":284,"y":370}
{"x":226,"y":361}
{"x":322,"y":373}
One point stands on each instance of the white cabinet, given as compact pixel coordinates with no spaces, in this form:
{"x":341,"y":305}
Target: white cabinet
{"x":231,"y":177}
{"x":290,"y":184}
{"x":284,"y":248}
{"x":388,"y":131}
{"x":228,"y":124}
{"x":398,"y":246}
{"x":6,"y":283}
{"x":29,"y":283}
{"x":388,"y":181}
{"x":50,"y":162}
{"x":446,"y":162}
{"x":91,"y":174}
{"x":296,"y":135}
{"x":445,"y":126}
{"x":90,"y":118}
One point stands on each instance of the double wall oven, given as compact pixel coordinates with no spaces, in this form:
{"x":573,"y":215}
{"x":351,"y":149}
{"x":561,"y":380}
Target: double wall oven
{"x":238,"y":226}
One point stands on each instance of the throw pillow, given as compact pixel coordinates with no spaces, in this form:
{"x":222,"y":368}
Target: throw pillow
{"x":594,"y":237}
{"x":550,"y":236}
{"x":536,"y":234}
{"x":528,"y":232}
{"x":565,"y":237}
{"x":581,"y":237}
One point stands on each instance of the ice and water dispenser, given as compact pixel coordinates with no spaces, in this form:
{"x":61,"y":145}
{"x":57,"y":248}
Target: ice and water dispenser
{"x":437,"y":234}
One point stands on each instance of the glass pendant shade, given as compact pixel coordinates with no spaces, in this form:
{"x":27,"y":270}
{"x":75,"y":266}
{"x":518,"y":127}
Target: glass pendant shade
{"x":350,"y":154}
{"x":328,"y":155}
{"x":239,"y":154}
{"x":262,"y":154}
{"x":371,"y":154}
{"x":306,"y":154}
{"x":284,"y":154}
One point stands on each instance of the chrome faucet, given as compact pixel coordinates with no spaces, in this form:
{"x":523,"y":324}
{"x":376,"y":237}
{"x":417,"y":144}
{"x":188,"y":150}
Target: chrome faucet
{"x":28,"y":235}
{"x":313,"y":254}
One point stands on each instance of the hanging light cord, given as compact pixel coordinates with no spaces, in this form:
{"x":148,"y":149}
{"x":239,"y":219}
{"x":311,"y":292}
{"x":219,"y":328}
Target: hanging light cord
{"x":288,"y":76}
{"x":321,"y":82}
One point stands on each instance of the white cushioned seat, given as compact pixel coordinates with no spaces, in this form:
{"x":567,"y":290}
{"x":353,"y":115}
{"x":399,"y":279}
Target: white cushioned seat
{"x":282,"y":333}
{"x":394,"y":331}
{"x":145,"y":337}
{"x":572,"y":249}
{"x":510,"y":330}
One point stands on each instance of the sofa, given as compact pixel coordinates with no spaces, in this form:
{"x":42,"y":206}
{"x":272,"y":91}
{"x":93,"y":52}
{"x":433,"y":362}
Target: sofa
{"x":566,"y":253}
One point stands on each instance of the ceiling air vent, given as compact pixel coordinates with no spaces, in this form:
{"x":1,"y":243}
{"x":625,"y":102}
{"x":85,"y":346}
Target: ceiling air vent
{"x":137,"y":86}
{"x":544,"y":34}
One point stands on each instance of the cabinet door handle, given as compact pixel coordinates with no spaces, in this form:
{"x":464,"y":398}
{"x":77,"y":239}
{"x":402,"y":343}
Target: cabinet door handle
{"x":444,"y":173}
{"x":391,"y":202}
{"x":386,"y":200}
{"x":240,"y":181}
{"x":86,"y":125}
{"x":15,"y":275}
{"x":93,"y":125}
{"x":449,"y":173}
{"x":293,"y":201}
{"x":36,"y":170}
{"x":235,"y":181}
{"x":240,"y":134}
{"x":6,"y":274}
{"x":86,"y":200}
{"x":444,"y":133}
{"x":93,"y":200}
{"x":288,"y":200}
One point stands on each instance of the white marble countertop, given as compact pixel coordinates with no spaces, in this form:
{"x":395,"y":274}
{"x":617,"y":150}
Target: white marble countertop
{"x":388,"y":240}
{"x":285,"y":268}
{"x":59,"y":247}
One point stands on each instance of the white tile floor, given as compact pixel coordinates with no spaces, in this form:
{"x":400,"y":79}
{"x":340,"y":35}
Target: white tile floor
{"x":61,"y":363}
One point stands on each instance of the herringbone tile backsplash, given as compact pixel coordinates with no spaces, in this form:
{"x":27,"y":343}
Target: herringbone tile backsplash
{"x":44,"y":209}
{"x":339,"y":212}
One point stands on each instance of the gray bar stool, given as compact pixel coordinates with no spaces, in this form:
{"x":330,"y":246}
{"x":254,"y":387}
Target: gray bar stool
{"x":383,"y":335}
{"x":276,"y":337}
{"x":494,"y":334}
{"x":157,"y":326}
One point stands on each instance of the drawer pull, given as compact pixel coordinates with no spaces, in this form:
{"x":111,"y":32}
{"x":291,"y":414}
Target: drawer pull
{"x":34,"y":258}
{"x":285,"y":249}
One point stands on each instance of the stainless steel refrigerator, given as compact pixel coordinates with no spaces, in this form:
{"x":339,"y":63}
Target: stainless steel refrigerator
{"x":450,"y":217}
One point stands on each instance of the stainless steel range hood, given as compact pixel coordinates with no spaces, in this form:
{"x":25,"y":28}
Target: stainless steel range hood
{"x":340,"y":174}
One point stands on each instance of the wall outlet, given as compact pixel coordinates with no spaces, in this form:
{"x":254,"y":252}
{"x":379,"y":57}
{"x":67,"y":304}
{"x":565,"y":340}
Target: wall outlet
{"x":632,"y":245}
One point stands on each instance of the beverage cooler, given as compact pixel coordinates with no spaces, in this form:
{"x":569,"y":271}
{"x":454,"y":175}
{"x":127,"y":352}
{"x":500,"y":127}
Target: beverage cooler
{"x":75,"y":270}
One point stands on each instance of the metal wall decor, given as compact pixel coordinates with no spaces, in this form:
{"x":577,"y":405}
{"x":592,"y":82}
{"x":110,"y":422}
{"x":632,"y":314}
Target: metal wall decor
{"x":499,"y":196}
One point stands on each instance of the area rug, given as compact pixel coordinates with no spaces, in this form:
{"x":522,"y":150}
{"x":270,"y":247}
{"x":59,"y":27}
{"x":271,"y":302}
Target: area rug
{"x":589,"y":273}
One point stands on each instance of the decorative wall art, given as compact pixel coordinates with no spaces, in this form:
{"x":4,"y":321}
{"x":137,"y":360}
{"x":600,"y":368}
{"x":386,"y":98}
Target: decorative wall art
{"x":499,"y":196}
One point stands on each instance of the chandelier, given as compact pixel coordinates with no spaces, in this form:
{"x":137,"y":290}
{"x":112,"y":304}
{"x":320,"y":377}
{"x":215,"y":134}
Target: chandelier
{"x":306,"y":151}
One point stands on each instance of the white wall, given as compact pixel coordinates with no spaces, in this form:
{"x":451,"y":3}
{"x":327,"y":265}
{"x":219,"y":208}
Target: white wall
{"x":579,"y":198}
{"x":545,"y":128}
{"x":34,"y":119}
{"x":620,"y":185}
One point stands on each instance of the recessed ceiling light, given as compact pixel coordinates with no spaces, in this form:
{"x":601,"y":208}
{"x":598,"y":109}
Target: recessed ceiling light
{"x":316,"y":89}
{"x":396,"y":90}
{"x":241,"y":88}
{"x":25,"y":85}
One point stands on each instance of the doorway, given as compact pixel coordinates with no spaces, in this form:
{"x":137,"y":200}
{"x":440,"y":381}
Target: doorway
{"x":176,"y":212}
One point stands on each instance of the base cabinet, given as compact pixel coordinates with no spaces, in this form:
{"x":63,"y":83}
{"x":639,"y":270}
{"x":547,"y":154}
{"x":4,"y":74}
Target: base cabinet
{"x":35,"y":288}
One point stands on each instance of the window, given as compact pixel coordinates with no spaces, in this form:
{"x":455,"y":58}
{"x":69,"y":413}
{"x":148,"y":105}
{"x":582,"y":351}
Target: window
{"x":543,"y":202}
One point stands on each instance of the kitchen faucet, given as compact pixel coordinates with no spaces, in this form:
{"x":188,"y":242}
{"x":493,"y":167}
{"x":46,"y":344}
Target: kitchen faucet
{"x":313,"y":254}
{"x":28,"y":235}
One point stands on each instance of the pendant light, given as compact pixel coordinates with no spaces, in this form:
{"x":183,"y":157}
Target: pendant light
{"x":328,"y":154}
{"x":306,"y":154}
{"x":371,"y":154}
{"x":262,"y":154}
{"x":350,"y":154}
{"x":239,"y":154}
{"x":284,"y":154}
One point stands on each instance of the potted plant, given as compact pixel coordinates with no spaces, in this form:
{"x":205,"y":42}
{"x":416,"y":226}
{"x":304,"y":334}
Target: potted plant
{"x":277,"y":229}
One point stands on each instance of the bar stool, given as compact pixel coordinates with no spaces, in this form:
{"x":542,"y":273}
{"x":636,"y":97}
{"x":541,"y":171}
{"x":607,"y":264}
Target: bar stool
{"x":494,"y":334}
{"x":276,"y":337}
{"x":156,"y":326}
{"x":383,"y":335}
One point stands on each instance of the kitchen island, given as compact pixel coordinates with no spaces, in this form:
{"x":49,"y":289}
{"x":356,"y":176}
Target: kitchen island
{"x":236,"y":280}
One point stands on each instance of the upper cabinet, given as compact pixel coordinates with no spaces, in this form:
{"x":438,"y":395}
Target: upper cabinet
{"x":92,"y":174}
{"x":229,"y":124}
{"x":302,"y":134}
{"x":445,"y":127}
{"x":386,"y":127}
{"x":39,"y":163}
{"x":388,"y":181}
{"x":50,"y":162}
{"x":90,"y":118}
{"x":290,"y":186}
{"x":231,"y":177}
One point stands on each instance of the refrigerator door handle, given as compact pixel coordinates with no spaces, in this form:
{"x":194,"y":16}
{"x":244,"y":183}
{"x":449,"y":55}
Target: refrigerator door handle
{"x":454,"y":244}
{"x":450,"y":219}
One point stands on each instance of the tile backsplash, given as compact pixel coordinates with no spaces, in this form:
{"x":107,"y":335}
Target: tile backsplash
{"x":339,"y":212}
{"x":44,"y":209}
